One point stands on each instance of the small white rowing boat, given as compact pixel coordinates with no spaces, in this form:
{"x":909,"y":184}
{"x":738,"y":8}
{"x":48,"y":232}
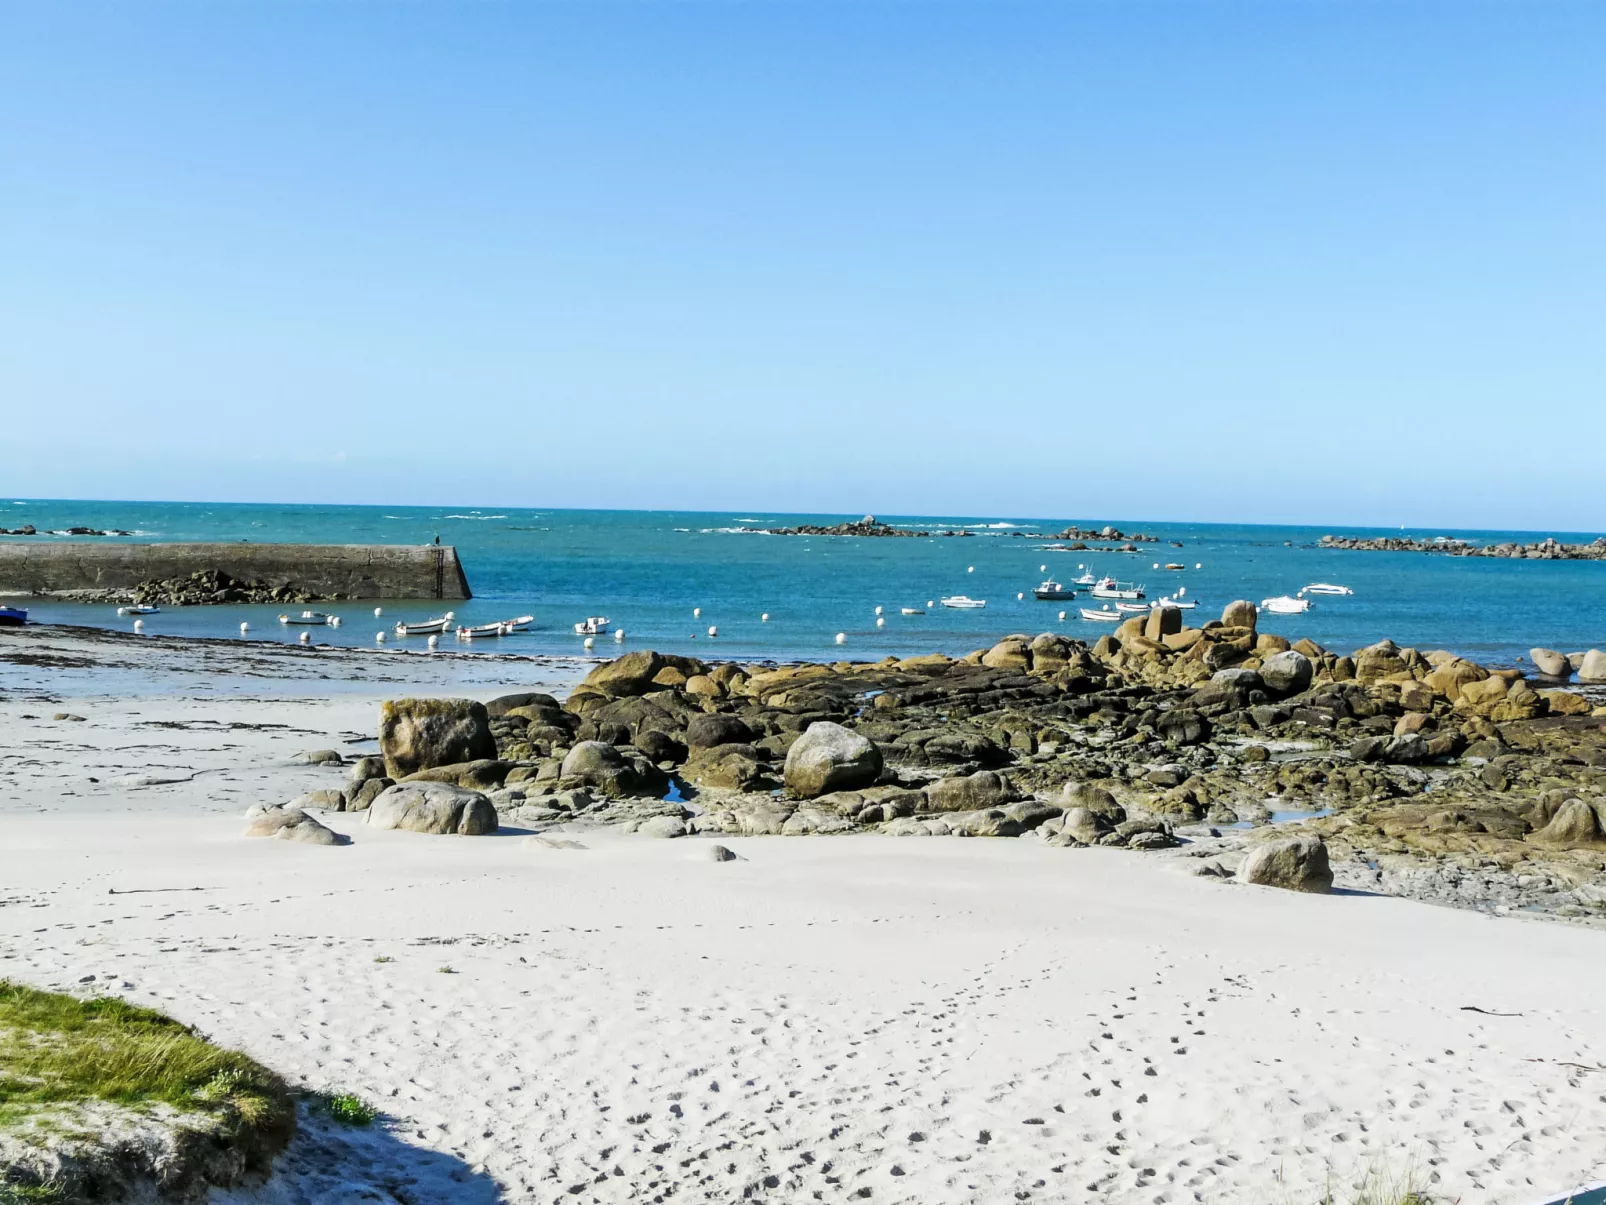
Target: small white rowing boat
{"x":521,"y":624}
{"x":1127,"y":608}
{"x":1326,"y":588}
{"x":430,"y":627}
{"x":1284,"y":605}
{"x":594,"y":625}
{"x":481,"y":630}
{"x":961,"y":603}
{"x":1101,"y":616}
{"x":914,"y":610}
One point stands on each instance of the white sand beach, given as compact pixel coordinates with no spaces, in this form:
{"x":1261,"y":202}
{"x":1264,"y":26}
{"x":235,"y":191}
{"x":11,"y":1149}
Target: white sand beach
{"x":850,"y":1018}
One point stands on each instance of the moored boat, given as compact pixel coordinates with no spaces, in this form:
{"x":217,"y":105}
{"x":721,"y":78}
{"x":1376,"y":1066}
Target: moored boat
{"x":1127,"y":608}
{"x":1106,"y":616}
{"x":592,"y":625}
{"x":482,"y":629}
{"x":429,"y":627}
{"x":521,"y":624}
{"x":1326,"y":588}
{"x":138,"y":609}
{"x":1087,"y":579}
{"x":914,"y":610}
{"x":313,"y":618}
{"x":1051,"y":589}
{"x":962,"y":603}
{"x":1108,"y":587}
{"x":13,"y":617}
{"x":1285,"y":605}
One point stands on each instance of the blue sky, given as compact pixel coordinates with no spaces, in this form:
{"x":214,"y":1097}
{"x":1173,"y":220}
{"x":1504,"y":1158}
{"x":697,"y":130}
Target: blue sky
{"x":1323,"y":262}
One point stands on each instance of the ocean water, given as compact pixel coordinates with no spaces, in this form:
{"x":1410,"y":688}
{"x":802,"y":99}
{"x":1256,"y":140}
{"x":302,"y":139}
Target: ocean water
{"x":648,"y":570}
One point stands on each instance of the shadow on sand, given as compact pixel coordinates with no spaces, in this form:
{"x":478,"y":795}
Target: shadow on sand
{"x":381,"y":1164}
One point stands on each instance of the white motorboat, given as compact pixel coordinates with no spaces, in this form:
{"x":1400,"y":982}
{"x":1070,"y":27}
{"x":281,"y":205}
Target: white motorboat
{"x":313,"y":618}
{"x":1051,"y":590}
{"x":1108,"y":587}
{"x":482,"y":630}
{"x":1326,"y":588}
{"x":1101,"y":616}
{"x":1087,"y":579}
{"x":914,"y":610}
{"x":1284,"y":605}
{"x":594,"y":625}
{"x":138,"y":609}
{"x":430,"y":627}
{"x":961,"y":603}
{"x":521,"y":624}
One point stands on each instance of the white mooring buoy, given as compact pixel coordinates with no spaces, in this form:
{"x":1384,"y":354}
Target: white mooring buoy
{"x":880,"y":623}
{"x":378,"y":611}
{"x":841,"y":637}
{"x":244,"y":628}
{"x":1062,"y":614}
{"x":972,"y":569}
{"x":764,"y":618}
{"x":379,"y":638}
{"x":696,"y":612}
{"x":1020,"y":595}
{"x":139,"y":625}
{"x":434,"y":643}
{"x":878,"y":610}
{"x":305,"y":637}
{"x":713,"y":631}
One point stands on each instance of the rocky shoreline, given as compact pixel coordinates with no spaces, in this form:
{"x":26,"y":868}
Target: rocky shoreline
{"x":1407,"y":772}
{"x":873,"y":527}
{"x":28,"y":529}
{"x":207,"y":587}
{"x":1542,"y":550}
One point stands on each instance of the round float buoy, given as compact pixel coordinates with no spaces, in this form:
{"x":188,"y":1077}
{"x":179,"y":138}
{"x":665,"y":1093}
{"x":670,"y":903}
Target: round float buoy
{"x":139,"y":625}
{"x":696,"y":612}
{"x":379,"y":638}
{"x":929,"y":603}
{"x":1020,"y":595}
{"x":878,"y":610}
{"x":1062,"y":614}
{"x":1157,"y":564}
{"x":764,"y":618}
{"x":972,"y":569}
{"x":334,"y":621}
{"x":619,"y":634}
{"x":591,"y":642}
{"x":305,"y":637}
{"x":122,"y":610}
{"x":378,"y":611}
{"x":284,"y":619}
{"x":434,"y":643}
{"x":1200,"y":565}
{"x":841,"y":637}
{"x":451,"y":615}
{"x":713,"y":631}
{"x":1042,"y":569}
{"x":880,"y":623}
{"x":1181,"y":590}
{"x":244,"y":628}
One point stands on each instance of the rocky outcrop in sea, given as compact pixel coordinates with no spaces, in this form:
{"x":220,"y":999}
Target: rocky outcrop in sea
{"x":1543,"y":550}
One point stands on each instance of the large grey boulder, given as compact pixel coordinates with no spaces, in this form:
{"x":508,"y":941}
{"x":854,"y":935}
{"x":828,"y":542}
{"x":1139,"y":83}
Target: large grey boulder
{"x":363,"y":796}
{"x":1287,"y":673}
{"x":1240,"y":614}
{"x":829,"y":757}
{"x":662,"y":826}
{"x":433,"y":807}
{"x":1551,"y":664}
{"x":631,"y":674}
{"x":715,"y":728}
{"x":1593,"y":666}
{"x":971,"y":792}
{"x":612,"y":770}
{"x":1085,"y":826}
{"x":419,"y":734}
{"x":1094,"y":800}
{"x":1294,"y":864}
{"x":290,"y":824}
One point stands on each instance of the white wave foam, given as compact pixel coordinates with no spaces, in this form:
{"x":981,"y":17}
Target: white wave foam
{"x":473,"y":516}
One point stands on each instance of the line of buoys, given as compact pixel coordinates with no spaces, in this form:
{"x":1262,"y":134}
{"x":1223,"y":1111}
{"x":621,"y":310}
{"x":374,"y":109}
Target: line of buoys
{"x":841,"y":637}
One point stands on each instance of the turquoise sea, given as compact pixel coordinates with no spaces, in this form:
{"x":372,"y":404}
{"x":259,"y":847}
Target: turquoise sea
{"x":648,"y":570}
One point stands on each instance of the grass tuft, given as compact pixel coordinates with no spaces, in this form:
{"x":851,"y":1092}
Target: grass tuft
{"x":349,"y":1109}
{"x":58,"y":1049}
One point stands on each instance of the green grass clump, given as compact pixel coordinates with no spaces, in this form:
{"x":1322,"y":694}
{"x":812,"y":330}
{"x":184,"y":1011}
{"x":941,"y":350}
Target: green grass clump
{"x":349,"y":1110}
{"x":56,"y":1049}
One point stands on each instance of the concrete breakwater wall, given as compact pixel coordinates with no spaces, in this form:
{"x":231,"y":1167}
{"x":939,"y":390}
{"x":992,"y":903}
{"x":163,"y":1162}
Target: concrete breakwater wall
{"x":350,"y":570}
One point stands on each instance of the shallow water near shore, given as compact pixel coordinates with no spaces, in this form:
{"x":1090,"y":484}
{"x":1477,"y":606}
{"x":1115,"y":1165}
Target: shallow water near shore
{"x":648,"y":570}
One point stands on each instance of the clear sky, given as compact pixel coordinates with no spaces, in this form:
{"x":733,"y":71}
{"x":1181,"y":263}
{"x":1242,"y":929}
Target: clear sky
{"x":1335,"y":262}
